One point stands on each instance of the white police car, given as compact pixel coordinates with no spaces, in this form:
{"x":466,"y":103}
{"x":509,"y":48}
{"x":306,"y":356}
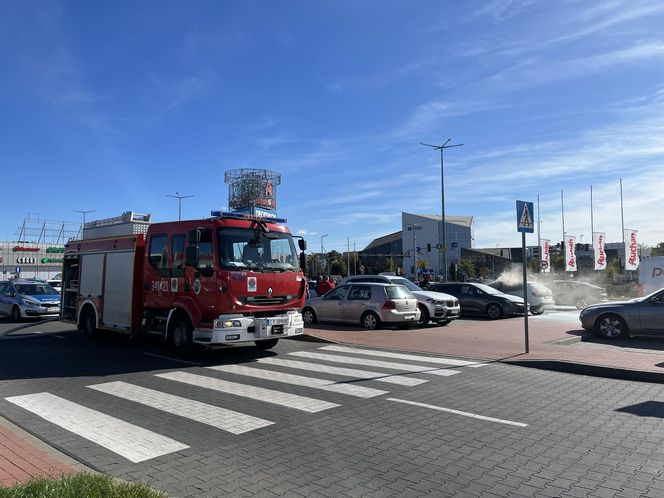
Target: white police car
{"x":28,"y":299}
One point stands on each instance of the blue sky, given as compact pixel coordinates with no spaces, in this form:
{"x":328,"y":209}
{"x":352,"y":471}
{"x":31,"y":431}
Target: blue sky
{"x":111,"y":106}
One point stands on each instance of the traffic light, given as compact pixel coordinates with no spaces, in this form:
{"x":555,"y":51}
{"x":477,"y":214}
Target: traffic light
{"x":428,"y":247}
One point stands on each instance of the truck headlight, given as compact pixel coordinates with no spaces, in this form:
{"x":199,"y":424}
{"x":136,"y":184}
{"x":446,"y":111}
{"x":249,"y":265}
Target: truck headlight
{"x":227,"y":324}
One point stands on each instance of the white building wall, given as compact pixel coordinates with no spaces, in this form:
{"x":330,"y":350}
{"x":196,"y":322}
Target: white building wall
{"x":458,"y":236}
{"x":33,"y":260}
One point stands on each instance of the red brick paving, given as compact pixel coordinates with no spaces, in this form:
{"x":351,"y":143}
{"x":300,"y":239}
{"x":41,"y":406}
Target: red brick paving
{"x":20,"y":460}
{"x":502,"y":339}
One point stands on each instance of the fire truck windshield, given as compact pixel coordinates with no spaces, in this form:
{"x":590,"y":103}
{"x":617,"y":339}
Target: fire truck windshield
{"x":245,"y":248}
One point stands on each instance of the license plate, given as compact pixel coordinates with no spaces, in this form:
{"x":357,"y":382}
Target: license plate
{"x":454,"y":312}
{"x":409,"y":317}
{"x":277,"y":321}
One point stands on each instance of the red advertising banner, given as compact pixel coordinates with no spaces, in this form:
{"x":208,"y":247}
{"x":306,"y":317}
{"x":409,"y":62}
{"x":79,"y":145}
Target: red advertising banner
{"x":545,"y":263}
{"x":570,"y":253}
{"x":599,"y":239}
{"x":631,"y":250}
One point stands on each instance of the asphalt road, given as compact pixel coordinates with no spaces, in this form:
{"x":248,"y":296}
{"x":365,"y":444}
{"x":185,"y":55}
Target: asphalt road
{"x":251,"y":425}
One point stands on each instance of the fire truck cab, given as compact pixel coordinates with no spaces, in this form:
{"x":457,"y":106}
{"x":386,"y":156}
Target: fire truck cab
{"x":228,"y":279}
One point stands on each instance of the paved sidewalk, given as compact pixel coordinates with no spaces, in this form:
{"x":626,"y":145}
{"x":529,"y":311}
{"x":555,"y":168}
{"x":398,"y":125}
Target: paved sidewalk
{"x":557,"y":345}
{"x":22,"y":457}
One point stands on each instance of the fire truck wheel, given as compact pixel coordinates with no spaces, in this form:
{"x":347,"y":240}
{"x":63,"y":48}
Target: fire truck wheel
{"x":88,"y":325}
{"x":268,"y":344}
{"x":181,"y":338}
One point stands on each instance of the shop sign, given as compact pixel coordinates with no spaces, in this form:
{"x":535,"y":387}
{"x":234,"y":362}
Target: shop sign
{"x":51,"y":260}
{"x":26,"y":261}
{"x":55,"y":249}
{"x":22,"y":248}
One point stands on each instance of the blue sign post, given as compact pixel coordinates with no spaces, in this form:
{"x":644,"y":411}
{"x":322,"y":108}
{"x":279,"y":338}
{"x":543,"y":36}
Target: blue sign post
{"x":525,"y":224}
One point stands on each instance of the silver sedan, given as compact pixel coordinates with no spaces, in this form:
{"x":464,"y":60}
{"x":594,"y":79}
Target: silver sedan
{"x":367,"y":304}
{"x":640,"y":316}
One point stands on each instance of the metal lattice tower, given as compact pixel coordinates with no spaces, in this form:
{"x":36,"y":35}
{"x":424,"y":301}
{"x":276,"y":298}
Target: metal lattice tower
{"x":252,"y":188}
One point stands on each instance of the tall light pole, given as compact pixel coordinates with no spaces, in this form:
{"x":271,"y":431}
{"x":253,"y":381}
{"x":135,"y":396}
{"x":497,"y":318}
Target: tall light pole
{"x":84,"y":212}
{"x":179,"y":198}
{"x":443,"y":249}
{"x":321,"y":246}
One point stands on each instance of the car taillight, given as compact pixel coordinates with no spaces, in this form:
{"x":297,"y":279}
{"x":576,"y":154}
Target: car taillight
{"x":389,"y":305}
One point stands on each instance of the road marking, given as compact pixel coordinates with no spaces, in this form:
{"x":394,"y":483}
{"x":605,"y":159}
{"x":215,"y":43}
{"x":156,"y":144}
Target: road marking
{"x":173,"y":359}
{"x":300,"y":380}
{"x":347,"y":372}
{"x":130,"y":441}
{"x":401,"y":356}
{"x":221,"y":418}
{"x":375,"y":363}
{"x":294,"y":401}
{"x":458,"y":412}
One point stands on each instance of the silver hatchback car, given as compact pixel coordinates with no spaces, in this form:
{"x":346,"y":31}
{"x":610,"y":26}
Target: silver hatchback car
{"x":367,"y":304}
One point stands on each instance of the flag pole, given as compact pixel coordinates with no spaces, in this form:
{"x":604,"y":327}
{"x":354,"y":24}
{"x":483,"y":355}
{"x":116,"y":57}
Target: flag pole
{"x":592,"y":232}
{"x":622,"y":223}
{"x":562,"y":211}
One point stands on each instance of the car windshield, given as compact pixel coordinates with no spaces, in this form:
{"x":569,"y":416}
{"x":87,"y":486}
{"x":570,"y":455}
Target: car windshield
{"x":488,"y":289}
{"x":398,"y":292}
{"x":35,"y":289}
{"x":406,"y":283}
{"x":256,"y":250}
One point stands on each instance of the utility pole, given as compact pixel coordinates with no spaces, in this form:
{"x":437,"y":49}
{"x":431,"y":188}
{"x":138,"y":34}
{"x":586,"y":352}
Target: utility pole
{"x":442,"y":148}
{"x":179,"y":198}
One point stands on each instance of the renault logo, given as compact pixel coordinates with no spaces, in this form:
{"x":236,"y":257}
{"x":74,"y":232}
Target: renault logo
{"x":269,"y":292}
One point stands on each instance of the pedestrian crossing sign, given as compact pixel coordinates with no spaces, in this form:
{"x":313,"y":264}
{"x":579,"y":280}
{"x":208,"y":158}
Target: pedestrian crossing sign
{"x":524,"y":217}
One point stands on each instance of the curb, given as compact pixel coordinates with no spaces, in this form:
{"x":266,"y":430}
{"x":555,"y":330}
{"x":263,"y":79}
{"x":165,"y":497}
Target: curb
{"x":591,"y":370}
{"x":311,"y":338}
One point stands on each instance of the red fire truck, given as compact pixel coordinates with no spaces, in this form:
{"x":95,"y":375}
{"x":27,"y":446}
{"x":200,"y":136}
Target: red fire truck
{"x":229,"y":279}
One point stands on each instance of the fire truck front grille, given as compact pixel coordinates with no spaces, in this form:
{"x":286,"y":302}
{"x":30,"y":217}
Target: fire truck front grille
{"x":265,"y":300}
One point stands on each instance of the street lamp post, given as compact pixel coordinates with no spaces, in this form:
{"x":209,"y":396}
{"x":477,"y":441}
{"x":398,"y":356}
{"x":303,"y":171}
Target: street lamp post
{"x":443,"y":248}
{"x":179,"y":198}
{"x":83,"y":212}
{"x":321,"y":245}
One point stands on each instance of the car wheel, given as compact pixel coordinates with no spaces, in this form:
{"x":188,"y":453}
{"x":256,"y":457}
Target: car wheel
{"x":581,"y":303}
{"x":181,"y":340}
{"x":424,"y":316}
{"x":267,"y":344}
{"x":610,"y":327}
{"x":16,"y":314}
{"x":309,"y":316}
{"x":370,"y":321}
{"x":537,"y":311}
{"x":494,"y":311}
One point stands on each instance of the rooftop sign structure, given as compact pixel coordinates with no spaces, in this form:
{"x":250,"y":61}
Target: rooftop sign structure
{"x":253,"y":191}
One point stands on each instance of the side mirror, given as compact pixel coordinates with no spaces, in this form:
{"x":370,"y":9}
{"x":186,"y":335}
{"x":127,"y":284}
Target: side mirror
{"x":302,"y":244}
{"x":194,"y":236}
{"x":191,"y":256}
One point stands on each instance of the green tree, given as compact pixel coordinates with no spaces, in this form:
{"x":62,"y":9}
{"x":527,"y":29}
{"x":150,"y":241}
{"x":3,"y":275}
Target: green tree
{"x":466,"y":265}
{"x":339,"y":267}
{"x":558,"y":263}
{"x":658,"y":250}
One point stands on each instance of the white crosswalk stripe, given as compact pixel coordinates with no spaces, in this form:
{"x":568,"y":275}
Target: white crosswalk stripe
{"x":221,"y":418}
{"x":300,"y":380}
{"x":294,"y":401}
{"x":403,"y":356}
{"x":130,"y":441}
{"x":346,"y":372}
{"x":375,"y":363}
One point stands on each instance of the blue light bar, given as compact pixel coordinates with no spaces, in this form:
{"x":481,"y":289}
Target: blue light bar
{"x":245,"y":216}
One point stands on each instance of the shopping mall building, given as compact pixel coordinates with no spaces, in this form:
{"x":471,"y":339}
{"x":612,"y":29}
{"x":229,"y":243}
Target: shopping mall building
{"x":30,"y":260}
